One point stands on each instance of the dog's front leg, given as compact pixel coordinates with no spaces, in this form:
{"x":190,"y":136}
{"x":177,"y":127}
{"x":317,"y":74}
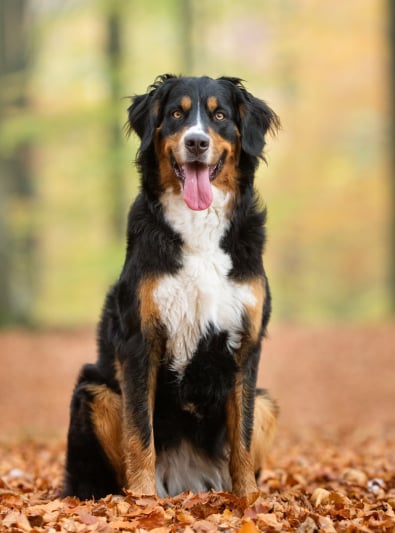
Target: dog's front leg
{"x":240,"y":415}
{"x":138,"y":383}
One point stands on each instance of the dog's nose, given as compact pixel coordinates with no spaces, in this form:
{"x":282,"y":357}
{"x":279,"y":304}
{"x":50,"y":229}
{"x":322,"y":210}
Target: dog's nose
{"x":197,"y":143}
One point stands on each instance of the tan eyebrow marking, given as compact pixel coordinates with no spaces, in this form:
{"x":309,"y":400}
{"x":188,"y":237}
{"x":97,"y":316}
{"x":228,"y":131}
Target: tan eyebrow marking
{"x":212,"y":103}
{"x":186,"y":103}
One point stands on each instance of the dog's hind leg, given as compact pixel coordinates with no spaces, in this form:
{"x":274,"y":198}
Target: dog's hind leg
{"x":265,"y":421}
{"x":94,"y":449}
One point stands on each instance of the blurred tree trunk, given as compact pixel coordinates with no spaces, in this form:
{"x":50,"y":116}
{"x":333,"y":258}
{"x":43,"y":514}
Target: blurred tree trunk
{"x":114,"y":55}
{"x":186,"y":36}
{"x":192,"y":24}
{"x":17,"y":240}
{"x":391,"y":9}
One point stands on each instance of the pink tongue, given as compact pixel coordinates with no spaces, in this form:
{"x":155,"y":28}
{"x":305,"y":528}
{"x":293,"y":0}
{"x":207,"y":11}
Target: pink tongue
{"x":197,"y":193}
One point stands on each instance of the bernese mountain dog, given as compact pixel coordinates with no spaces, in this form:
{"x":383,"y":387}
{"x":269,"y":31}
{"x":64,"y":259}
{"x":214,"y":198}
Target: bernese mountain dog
{"x":171,"y":403}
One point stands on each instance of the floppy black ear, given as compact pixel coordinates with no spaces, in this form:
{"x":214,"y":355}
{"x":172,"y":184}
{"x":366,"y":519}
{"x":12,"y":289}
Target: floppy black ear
{"x":144,"y":113}
{"x":141,"y":118}
{"x":256,"y":120}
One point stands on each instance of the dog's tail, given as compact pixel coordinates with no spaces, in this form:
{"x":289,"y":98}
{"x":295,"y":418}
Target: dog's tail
{"x":265,"y":422}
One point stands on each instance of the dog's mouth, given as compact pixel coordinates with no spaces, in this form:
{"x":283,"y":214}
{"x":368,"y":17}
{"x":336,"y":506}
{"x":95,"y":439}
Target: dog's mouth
{"x":196,"y":181}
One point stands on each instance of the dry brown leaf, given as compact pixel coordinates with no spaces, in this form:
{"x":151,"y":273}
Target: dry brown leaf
{"x":248,"y":527}
{"x":87,"y":518}
{"x":204,"y":526}
{"x":203,"y":505}
{"x":326,"y":524}
{"x":320,"y":497}
{"x":268,"y":520}
{"x":123,"y":525}
{"x":308,"y":526}
{"x":187,"y":529}
{"x":122,"y":507}
{"x":184,"y":517}
{"x":356,"y":476}
{"x":18,"y":520}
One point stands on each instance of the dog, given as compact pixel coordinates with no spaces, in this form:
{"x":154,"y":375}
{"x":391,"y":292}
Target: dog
{"x":171,"y":403}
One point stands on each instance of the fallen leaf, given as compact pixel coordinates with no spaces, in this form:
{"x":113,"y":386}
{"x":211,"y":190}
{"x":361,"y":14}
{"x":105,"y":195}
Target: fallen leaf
{"x":248,"y":527}
{"x":320,"y":497}
{"x":354,"y":475}
{"x":123,"y":524}
{"x":18,"y":520}
{"x":87,"y":518}
{"x":184,"y":517}
{"x":326,"y":524}
{"x":308,"y":526}
{"x":268,"y":520}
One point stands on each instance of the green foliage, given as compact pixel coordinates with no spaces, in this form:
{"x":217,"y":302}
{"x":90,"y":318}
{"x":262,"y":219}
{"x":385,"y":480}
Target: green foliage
{"x":326,"y":185}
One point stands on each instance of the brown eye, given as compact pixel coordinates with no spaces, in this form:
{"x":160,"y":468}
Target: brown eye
{"x":219,"y":115}
{"x":177,"y":114}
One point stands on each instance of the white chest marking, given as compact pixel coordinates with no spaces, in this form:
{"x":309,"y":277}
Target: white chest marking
{"x":200,"y":295}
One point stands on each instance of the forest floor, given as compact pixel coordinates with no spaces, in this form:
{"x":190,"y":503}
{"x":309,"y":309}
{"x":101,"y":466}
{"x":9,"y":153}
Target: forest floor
{"x":332,"y":467}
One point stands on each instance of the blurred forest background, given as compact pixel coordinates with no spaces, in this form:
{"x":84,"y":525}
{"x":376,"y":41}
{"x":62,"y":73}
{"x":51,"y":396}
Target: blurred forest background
{"x":66,"y":169}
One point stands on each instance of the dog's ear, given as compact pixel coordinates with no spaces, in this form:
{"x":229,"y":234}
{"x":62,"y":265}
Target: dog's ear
{"x":256,"y":120}
{"x":144,"y":115}
{"x":142,"y":118}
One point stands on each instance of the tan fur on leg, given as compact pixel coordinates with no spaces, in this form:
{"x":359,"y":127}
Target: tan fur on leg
{"x":140,"y":465}
{"x":107,"y":421}
{"x":265,"y":421}
{"x":241,"y":466}
{"x":139,"y":457}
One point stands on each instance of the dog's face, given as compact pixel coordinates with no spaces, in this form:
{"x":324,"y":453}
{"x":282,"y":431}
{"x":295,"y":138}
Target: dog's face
{"x":199,"y":128}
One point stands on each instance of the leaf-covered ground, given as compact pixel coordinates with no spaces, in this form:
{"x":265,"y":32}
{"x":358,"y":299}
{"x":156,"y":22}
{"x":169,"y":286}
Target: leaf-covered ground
{"x":332,"y":467}
{"x":334,"y":484}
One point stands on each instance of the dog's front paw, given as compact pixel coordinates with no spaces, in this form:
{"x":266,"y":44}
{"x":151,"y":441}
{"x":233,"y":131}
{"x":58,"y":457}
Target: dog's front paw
{"x":245,"y":488}
{"x":142,"y":486}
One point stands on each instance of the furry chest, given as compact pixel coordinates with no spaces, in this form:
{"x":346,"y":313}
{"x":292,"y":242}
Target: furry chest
{"x":198,"y":298}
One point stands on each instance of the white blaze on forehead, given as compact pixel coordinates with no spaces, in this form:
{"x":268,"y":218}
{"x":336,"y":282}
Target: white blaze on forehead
{"x":197,"y":127}
{"x":197,"y":190}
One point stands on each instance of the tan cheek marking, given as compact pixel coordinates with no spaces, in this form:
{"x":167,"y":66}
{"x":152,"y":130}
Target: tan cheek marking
{"x":164,"y":148}
{"x":227,"y":178}
{"x":254,"y":312}
{"x":186,"y":103}
{"x":212,"y":103}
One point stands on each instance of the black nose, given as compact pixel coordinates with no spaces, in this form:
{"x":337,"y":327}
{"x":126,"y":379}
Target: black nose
{"x":197,"y":143}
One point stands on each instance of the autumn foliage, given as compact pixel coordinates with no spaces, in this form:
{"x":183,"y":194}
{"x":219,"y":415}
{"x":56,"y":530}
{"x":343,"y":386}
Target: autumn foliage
{"x":339,"y":484}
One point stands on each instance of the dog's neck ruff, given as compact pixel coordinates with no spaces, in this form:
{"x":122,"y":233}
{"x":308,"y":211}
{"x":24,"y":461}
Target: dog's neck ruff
{"x":200,"y":296}
{"x":200,"y":230}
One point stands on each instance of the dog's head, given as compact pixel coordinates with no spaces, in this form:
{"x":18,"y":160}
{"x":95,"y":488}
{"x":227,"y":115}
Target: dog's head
{"x":198,"y":130}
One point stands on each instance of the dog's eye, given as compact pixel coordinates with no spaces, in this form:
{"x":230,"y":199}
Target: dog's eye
{"x":219,"y":115}
{"x":177,"y":114}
